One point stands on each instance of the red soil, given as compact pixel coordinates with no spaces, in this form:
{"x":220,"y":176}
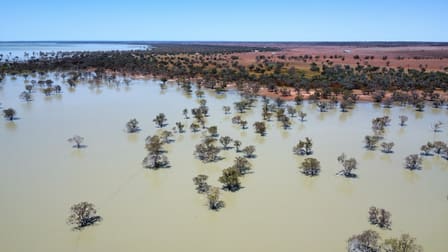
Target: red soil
{"x":434,"y":58}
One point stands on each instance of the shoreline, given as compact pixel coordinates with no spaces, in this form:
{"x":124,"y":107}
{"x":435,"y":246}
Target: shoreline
{"x":306,"y":95}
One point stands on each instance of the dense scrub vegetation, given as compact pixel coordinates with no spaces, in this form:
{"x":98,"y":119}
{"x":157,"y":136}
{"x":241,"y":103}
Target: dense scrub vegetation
{"x":216,"y":66}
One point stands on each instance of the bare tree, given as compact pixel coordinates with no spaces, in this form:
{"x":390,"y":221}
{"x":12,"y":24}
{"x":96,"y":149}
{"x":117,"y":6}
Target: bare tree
{"x":77,"y":140}
{"x":82,"y":215}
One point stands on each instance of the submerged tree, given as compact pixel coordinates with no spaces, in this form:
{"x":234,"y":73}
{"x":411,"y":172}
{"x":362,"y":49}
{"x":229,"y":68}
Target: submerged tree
{"x":214,"y":203}
{"x":310,"y":167}
{"x":405,"y":243}
{"x":199,"y":93}
{"x":380,"y":217}
{"x":155,"y":158}
{"x":166,"y":136}
{"x":160,"y":120}
{"x":302,"y":116}
{"x":266,"y":114}
{"x":413,"y":162}
{"x":379,"y":124}
{"x":226,"y":109}
{"x":260,"y":128}
{"x":225,"y":141}
{"x":236,"y":119}
{"x":82,"y":215}
{"x":9,"y":113}
{"x":26,"y":96}
{"x":304,"y":147}
{"x":384,"y":219}
{"x":291,"y":111}
{"x":77,"y":140}
{"x":213,"y":131}
{"x":154,"y":144}
{"x":367,"y":241}
{"x":427,"y":148}
{"x":403,"y":120}
{"x":207,"y":151}
{"x":230,"y":179}
{"x":249,"y":151}
{"x":201,"y":183}
{"x":185,"y":113}
{"x":132,"y":126}
{"x":439,"y":147}
{"x":371,"y":142}
{"x":348,"y":164}
{"x":286,"y":122}
{"x":237,"y":144}
{"x":387,"y":146}
{"x":373,"y":215}
{"x":243,"y":124}
{"x":29,"y":88}
{"x":419,"y":105}
{"x":180,"y":127}
{"x":155,"y":161}
{"x":436,"y":126}
{"x":194,"y":127}
{"x":242,"y":165}
{"x":298,"y":99}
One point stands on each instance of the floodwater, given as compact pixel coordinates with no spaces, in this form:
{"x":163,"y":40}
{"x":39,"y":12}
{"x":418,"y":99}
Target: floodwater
{"x":27,"y":50}
{"x":279,"y":209}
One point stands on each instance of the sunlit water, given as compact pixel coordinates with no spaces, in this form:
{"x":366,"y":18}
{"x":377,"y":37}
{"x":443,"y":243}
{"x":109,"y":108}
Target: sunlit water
{"x":26,"y":50}
{"x":279,"y":209}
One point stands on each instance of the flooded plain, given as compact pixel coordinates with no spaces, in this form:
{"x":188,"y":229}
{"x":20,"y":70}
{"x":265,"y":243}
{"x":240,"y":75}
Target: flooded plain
{"x":278,"y":208}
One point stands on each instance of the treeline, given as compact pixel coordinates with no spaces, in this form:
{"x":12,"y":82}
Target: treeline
{"x":175,"y":48}
{"x":178,"y":61}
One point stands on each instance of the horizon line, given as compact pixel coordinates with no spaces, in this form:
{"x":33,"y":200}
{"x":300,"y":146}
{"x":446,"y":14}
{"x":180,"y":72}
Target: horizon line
{"x":231,"y":41}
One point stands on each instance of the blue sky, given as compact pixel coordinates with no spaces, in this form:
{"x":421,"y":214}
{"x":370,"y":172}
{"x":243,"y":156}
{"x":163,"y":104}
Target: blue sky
{"x":231,"y":20}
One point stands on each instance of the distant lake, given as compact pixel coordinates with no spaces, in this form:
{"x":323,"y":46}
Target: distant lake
{"x":26,"y":50}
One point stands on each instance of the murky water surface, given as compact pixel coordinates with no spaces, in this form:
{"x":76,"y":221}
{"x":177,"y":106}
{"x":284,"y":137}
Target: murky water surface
{"x":279,"y":209}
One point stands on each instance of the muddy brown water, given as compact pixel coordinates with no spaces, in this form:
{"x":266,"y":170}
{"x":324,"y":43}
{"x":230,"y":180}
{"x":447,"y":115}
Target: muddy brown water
{"x":279,"y":209}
